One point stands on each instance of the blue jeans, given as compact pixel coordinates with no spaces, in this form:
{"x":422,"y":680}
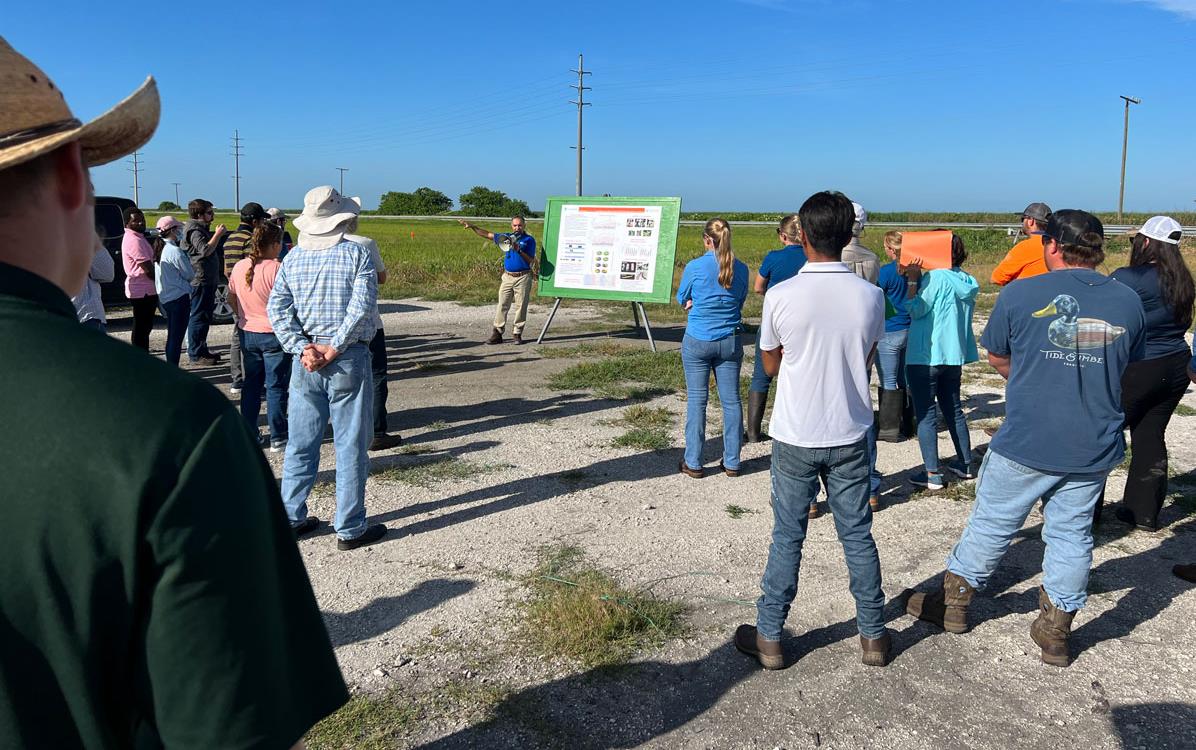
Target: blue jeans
{"x":698,"y":359}
{"x":1007,"y":492}
{"x":203,"y":302}
{"x":795,"y":478}
{"x":378,"y":365}
{"x":342,"y":392}
{"x":267,"y":367}
{"x":941,"y":384}
{"x":177,"y":312}
{"x":890,"y":359}
{"x":760,"y":379}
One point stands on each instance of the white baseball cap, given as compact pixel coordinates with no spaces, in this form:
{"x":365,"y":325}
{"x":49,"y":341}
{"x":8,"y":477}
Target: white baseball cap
{"x":1161,"y":228}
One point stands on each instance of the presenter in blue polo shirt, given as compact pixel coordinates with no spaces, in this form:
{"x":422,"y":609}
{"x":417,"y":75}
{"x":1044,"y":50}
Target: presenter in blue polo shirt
{"x":518,"y":259}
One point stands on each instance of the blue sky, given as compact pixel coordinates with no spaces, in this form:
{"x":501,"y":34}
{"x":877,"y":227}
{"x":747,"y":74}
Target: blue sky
{"x":737,"y":105}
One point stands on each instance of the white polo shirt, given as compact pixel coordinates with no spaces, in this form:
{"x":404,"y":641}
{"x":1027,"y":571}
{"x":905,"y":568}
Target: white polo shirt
{"x":827,"y":319}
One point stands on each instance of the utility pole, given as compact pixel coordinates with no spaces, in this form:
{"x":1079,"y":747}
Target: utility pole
{"x":1125,"y":141}
{"x":342,"y":170}
{"x":581,"y":104}
{"x":237,"y":153}
{"x":176,"y":193}
{"x":136,"y":170}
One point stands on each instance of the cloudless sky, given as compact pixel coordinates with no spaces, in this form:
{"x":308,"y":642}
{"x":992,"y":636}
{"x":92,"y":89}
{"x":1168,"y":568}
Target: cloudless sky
{"x":734,"y":105}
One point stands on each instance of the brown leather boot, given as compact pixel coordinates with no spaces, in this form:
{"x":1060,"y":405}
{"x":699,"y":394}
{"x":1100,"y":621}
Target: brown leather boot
{"x":495,"y":337}
{"x":755,"y":416}
{"x":1051,"y":630}
{"x":874,"y":652}
{"x":768,"y":653}
{"x":946,"y":607}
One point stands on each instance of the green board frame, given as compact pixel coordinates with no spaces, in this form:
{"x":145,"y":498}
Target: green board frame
{"x":666,"y":251}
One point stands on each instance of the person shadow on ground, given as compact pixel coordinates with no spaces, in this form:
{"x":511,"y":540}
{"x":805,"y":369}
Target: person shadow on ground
{"x":608,"y":707}
{"x":388,"y":612}
{"x":1156,"y":726}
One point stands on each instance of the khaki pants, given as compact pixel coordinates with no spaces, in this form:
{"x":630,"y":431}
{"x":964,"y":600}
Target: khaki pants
{"x":515,"y":289}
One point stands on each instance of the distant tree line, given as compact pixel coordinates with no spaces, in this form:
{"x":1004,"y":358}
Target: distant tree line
{"x":479,"y":201}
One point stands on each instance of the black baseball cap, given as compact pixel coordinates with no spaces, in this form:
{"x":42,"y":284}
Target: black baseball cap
{"x":253,"y":212}
{"x":1068,"y":226}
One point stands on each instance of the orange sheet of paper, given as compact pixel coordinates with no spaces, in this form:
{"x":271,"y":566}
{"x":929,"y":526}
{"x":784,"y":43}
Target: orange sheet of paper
{"x":933,"y":248}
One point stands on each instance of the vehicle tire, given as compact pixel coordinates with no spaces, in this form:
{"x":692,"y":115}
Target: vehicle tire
{"x":222,"y":312}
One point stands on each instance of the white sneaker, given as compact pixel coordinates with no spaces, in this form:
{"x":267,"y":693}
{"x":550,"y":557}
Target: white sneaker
{"x":234,"y":390}
{"x":929,"y":481}
{"x":278,"y":446}
{"x":965,"y":474}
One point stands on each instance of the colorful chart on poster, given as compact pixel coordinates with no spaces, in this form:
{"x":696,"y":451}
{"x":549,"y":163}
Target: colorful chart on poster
{"x":610,"y":248}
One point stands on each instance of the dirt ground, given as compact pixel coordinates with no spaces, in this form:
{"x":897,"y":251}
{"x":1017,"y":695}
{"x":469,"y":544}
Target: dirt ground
{"x":434,"y":607}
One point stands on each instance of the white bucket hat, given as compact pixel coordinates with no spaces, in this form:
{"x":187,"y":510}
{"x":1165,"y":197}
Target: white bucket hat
{"x":325,"y":214}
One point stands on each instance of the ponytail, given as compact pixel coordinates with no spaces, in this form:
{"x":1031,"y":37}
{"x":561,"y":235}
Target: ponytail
{"x":719,"y":231}
{"x":264,"y":236}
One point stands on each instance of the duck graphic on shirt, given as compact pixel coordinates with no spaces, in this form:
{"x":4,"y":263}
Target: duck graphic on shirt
{"x":1069,"y":331}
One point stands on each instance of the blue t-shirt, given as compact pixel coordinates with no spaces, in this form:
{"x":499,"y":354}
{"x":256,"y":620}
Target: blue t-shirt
{"x":1069,"y":334}
{"x":716,"y":312}
{"x":893,"y":285}
{"x":511,"y":259}
{"x":1164,"y":336}
{"x":782,"y":264}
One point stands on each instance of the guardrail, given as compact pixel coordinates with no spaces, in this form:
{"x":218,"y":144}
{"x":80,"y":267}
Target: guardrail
{"x":1011,"y":228}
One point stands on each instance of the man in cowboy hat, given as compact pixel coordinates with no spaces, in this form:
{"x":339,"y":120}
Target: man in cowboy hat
{"x":322,"y":309}
{"x":147,"y":600}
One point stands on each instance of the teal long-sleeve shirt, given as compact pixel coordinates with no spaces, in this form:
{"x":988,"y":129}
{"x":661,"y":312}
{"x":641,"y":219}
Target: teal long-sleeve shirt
{"x":940,"y":331}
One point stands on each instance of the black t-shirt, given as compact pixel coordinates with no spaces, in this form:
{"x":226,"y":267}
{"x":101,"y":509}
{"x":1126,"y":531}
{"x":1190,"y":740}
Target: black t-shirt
{"x":1164,"y":336}
{"x":151,"y":593}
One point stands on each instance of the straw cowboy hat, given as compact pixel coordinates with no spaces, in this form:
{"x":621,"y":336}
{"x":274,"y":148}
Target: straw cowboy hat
{"x":35,"y":119}
{"x":325,"y":214}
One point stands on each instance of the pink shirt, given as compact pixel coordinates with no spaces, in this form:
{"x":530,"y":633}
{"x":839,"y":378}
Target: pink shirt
{"x":252,"y":300}
{"x":134,"y":249}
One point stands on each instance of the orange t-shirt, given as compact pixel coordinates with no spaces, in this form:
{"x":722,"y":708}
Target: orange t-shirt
{"x":1023,"y":261}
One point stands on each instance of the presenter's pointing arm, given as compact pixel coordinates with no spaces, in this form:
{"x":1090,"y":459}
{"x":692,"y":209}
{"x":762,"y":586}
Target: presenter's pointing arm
{"x":476,"y":230}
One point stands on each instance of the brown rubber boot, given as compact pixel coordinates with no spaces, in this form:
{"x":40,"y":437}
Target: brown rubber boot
{"x":1051,"y":630}
{"x":495,"y":336}
{"x":768,"y":653}
{"x":946,"y":607}
{"x":874,"y":652}
{"x":755,"y":416}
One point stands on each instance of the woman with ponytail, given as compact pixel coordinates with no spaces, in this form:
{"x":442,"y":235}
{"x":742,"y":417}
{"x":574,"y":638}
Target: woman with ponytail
{"x":1151,"y":388}
{"x":713,"y":289}
{"x":267,"y":366}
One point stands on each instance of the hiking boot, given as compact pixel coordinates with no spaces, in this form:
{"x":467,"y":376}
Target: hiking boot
{"x":691,"y":473}
{"x":305,"y":527}
{"x":874,"y":652}
{"x":207,"y":360}
{"x":495,"y":337}
{"x":371,"y":535}
{"x":728,"y":472}
{"x":755,"y":416}
{"x":1186,"y":572}
{"x":1051,"y":630}
{"x":946,"y":607}
{"x":517,"y":338}
{"x":768,"y":653}
{"x":384,"y":441}
{"x":889,"y":419}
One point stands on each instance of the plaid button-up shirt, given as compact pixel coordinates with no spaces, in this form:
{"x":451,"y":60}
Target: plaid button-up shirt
{"x":324,"y":297}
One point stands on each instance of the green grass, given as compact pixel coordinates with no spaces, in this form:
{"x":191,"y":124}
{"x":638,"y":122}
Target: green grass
{"x":737,"y":511}
{"x":1184,"y":410}
{"x":366,"y":722}
{"x":611,"y":375}
{"x":647,"y":428}
{"x":428,"y":473}
{"x":581,"y":612}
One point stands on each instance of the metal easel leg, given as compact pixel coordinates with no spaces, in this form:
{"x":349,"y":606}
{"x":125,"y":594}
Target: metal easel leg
{"x":555,"y":306}
{"x":647,"y":328}
{"x":635,"y":314}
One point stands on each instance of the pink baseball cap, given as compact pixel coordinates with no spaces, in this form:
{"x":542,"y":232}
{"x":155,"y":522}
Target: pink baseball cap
{"x":166,"y":223}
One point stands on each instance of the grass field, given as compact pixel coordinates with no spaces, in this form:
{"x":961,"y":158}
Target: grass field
{"x":440,"y":260}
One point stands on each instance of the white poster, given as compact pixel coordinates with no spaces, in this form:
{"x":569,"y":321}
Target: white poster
{"x":608,"y":248}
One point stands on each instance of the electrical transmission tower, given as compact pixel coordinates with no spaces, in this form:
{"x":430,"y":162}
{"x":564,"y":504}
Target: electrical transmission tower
{"x":581,"y":105}
{"x":136,"y":170}
{"x":237,"y":154}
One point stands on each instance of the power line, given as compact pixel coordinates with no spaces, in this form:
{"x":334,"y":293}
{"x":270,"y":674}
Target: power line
{"x":342,"y":170}
{"x":581,"y":105}
{"x":136,"y":170}
{"x":236,"y":154}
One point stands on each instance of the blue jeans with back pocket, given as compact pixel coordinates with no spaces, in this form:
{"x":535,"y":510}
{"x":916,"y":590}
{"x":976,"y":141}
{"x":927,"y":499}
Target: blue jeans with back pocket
{"x":699,"y":359}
